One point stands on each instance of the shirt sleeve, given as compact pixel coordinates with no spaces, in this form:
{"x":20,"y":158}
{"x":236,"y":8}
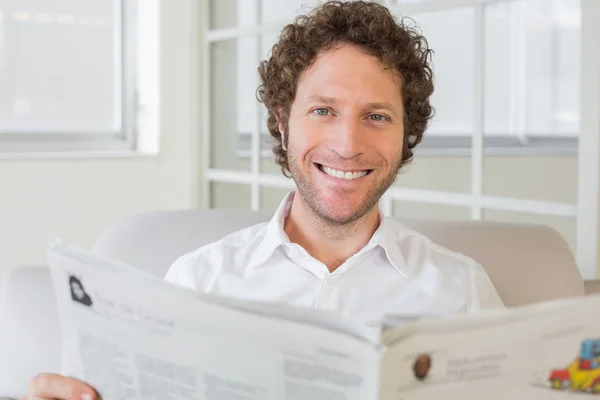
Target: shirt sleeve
{"x":179,"y":274}
{"x":485,"y":295}
{"x":192,"y":271}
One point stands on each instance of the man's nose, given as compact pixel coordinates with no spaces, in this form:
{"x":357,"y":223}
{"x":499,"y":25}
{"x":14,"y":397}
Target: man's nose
{"x":348,"y":137}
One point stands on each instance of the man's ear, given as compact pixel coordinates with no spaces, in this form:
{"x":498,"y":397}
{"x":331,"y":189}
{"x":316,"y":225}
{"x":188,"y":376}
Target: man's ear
{"x":283,"y":138}
{"x":281,"y":128}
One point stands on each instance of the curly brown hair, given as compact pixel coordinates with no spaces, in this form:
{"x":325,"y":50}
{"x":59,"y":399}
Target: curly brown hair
{"x":372,"y":28}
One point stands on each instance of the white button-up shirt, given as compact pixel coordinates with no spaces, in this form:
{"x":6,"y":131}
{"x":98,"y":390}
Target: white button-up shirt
{"x":399,"y":271}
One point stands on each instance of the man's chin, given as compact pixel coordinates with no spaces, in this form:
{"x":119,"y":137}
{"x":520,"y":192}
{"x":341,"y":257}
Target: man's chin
{"x":336,"y":205}
{"x":341,"y":214}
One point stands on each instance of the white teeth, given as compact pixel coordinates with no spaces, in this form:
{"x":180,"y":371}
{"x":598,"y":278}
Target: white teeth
{"x":343,"y":175}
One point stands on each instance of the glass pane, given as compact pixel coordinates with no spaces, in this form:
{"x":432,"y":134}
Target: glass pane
{"x":544,"y":178}
{"x":233,"y":103}
{"x":532,"y":68}
{"x":268,"y":161}
{"x":274,"y":11}
{"x":564,"y":113}
{"x":271,"y":197}
{"x":566,"y":226}
{"x":268,"y":165}
{"x":60,"y":66}
{"x":223,"y":14}
{"x":497,"y":94}
{"x":229,"y":196}
{"x":452,"y":174}
{"x":232,"y":13}
{"x":531,"y":61}
{"x":451,"y":35}
{"x":411,"y":210}
{"x":409,"y":1}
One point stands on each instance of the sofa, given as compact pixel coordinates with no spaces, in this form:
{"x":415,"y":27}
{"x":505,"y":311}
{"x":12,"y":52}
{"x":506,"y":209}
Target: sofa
{"x":526,"y":263}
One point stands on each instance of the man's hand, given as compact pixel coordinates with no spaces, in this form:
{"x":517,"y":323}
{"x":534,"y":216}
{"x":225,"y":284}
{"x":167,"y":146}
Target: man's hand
{"x":52,"y":386}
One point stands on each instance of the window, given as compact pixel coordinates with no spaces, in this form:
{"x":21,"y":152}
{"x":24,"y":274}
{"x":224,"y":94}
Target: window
{"x":509,"y":79}
{"x":69,"y":75}
{"x":531,"y":73}
{"x":530,"y":77}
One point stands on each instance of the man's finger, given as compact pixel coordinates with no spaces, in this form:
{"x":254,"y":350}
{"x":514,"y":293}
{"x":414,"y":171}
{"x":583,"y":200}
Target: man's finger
{"x":53,"y":386}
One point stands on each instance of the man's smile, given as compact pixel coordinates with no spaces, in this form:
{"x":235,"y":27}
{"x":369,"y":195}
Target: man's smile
{"x":343,"y":174}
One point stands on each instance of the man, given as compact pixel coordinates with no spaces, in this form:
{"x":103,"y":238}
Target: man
{"x":347,"y":90}
{"x":78,"y":294}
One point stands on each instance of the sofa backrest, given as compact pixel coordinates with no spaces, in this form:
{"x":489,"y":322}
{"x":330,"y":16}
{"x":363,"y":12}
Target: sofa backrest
{"x":526,"y":263}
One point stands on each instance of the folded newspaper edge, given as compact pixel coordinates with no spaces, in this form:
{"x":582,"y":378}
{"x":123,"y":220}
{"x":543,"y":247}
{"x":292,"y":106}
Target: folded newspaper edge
{"x":392,"y":328}
{"x":275,"y":310}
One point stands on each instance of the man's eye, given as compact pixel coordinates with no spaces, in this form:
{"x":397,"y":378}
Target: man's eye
{"x":377,"y":117}
{"x":322,"y":112}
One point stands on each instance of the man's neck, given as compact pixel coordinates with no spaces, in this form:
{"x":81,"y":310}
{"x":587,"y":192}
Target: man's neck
{"x":330,"y":244}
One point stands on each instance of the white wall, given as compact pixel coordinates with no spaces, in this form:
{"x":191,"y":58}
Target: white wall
{"x":76,"y":199}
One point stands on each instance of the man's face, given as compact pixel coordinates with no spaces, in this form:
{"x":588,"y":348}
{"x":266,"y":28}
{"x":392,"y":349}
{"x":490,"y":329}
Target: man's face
{"x":422,"y":366}
{"x":345,"y":134}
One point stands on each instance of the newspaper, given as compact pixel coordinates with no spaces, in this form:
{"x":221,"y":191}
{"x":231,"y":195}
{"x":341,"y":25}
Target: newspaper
{"x":133,"y":336}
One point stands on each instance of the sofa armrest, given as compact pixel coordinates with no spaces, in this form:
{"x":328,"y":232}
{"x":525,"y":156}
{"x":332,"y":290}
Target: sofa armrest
{"x":592,"y":286}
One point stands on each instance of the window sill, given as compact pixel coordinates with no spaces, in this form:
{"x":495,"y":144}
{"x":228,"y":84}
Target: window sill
{"x":36,"y":146}
{"x":78,"y":155}
{"x":496,"y":151}
{"x":498,"y":146}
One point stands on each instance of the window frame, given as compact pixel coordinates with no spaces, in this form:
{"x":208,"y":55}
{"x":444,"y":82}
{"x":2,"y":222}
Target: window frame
{"x":124,"y":140}
{"x":509,"y":144}
{"x":585,"y":210}
{"x":445,"y":145}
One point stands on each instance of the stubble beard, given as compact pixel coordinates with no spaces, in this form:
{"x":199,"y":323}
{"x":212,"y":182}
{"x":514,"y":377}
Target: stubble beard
{"x":310,"y":193}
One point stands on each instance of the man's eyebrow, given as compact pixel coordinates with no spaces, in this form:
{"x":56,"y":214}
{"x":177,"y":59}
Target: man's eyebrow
{"x":368,"y":106}
{"x":384,"y":106}
{"x":322,"y":99}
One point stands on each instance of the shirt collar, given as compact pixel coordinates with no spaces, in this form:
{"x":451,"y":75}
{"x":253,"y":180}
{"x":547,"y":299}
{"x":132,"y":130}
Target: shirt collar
{"x":386,"y":237}
{"x":275,"y":236}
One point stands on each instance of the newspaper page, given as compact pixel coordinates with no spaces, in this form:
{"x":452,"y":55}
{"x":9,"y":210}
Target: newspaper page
{"x":549,"y":350}
{"x":132,"y":336}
